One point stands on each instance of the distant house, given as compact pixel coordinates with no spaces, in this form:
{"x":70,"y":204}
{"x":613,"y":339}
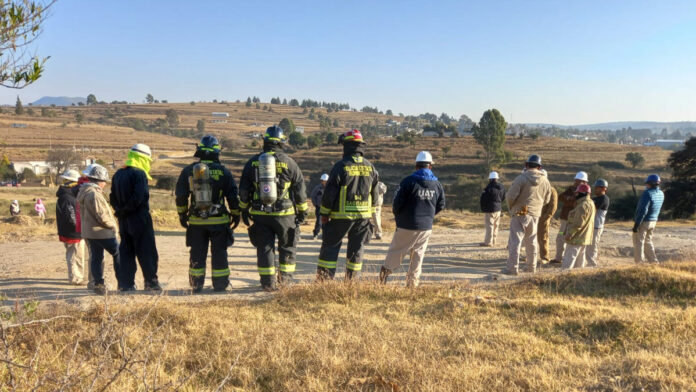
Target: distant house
{"x":299,"y":129}
{"x":220,"y":117}
{"x":19,"y":125}
{"x":38,"y":167}
{"x":669,"y":144}
{"x":90,"y":161}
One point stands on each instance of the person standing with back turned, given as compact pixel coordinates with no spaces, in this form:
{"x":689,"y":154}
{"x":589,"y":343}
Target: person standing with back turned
{"x":492,"y":199}
{"x":348,"y":203}
{"x":418,"y":199}
{"x":527,"y":194}
{"x":647,"y":213}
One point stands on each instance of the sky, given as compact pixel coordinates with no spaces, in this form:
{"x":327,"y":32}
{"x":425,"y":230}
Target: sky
{"x":562,"y":62}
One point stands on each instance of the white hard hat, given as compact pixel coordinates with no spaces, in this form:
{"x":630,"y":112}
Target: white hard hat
{"x":87,"y":170}
{"x":70,"y":175}
{"x":143,"y":149}
{"x":324,"y":177}
{"x":424,"y":156}
{"x":99,"y":173}
{"x":582,"y":176}
{"x":493,"y":175}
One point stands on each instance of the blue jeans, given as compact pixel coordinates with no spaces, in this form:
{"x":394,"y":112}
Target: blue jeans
{"x":96,"y":258}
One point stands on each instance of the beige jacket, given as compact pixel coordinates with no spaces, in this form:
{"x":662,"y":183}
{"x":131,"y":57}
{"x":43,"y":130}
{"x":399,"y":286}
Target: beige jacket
{"x":95,"y":213}
{"x":580,"y":227}
{"x":529,"y":193}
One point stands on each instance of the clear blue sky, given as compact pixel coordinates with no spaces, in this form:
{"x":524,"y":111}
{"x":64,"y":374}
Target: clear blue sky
{"x":536,"y":61}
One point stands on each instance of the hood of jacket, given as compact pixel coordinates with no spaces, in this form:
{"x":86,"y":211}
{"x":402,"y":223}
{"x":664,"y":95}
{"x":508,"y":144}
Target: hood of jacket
{"x":424,"y":175}
{"x":139,"y":161}
{"x":86,"y":189}
{"x":350,"y":149}
{"x":534,"y":176}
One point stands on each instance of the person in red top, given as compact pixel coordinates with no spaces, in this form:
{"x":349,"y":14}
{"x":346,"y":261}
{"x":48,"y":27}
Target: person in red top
{"x":66,"y":220}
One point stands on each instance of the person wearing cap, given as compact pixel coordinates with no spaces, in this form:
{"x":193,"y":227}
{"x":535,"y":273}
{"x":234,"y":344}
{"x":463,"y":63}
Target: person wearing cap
{"x":418,"y":199}
{"x":78,"y":222}
{"x":66,"y":220}
{"x":601,"y":202}
{"x":580,"y":229}
{"x":567,"y":198}
{"x":201,"y":191}
{"x":545,"y":223}
{"x":647,"y":213}
{"x":492,"y":200}
{"x":346,"y":207}
{"x":315,"y":196}
{"x":130,"y":197}
{"x":527,"y":195}
{"x":281,"y":218}
{"x":377,"y":214}
{"x":98,"y":226}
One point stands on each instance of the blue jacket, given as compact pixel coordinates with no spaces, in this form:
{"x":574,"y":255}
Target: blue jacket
{"x":420,"y":196}
{"x":649,"y":205}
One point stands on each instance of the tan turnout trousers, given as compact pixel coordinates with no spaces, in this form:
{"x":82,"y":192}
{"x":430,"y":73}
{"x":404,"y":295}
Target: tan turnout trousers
{"x":643,"y":246}
{"x":523,"y":231}
{"x":543,"y":238}
{"x":75,"y":259}
{"x":492,"y":222}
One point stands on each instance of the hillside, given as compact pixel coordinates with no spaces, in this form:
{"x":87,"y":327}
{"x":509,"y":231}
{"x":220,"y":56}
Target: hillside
{"x":654,"y":126}
{"x":58,"y":101}
{"x":104,"y":134}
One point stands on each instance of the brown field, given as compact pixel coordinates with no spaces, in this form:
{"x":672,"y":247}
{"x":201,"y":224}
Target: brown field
{"x":618,"y":329}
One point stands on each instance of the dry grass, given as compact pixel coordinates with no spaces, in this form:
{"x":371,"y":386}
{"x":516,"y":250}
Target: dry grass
{"x":621,"y":329}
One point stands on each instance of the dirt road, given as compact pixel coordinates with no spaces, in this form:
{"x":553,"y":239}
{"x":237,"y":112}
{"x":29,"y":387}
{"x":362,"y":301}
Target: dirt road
{"x":36,"y":271}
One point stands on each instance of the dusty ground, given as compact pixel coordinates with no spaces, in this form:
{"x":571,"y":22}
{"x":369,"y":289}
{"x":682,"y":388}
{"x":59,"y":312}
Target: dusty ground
{"x":36,"y":271}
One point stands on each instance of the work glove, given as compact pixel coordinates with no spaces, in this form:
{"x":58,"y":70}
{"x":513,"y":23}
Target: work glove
{"x":246,"y":217}
{"x":235,"y":221}
{"x":183,"y":221}
{"x":635,"y":228}
{"x":300,"y":217}
{"x":324,"y":219}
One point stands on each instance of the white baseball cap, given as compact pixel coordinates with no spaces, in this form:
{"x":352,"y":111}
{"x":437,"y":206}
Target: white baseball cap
{"x":324,"y":177}
{"x":493,"y":175}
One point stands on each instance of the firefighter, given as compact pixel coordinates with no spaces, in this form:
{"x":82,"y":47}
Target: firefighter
{"x":205,"y":216}
{"x":272,"y":193}
{"x":349,"y":200}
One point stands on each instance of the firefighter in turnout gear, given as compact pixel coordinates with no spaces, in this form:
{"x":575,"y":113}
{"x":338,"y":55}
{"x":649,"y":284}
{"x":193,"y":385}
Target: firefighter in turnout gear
{"x":201,"y":192}
{"x":272,"y":194}
{"x":349,"y":200}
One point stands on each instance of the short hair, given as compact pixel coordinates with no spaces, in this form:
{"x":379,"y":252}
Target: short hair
{"x":532,"y":165}
{"x":422,"y":165}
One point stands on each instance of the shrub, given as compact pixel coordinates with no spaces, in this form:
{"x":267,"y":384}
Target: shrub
{"x":166,"y":182}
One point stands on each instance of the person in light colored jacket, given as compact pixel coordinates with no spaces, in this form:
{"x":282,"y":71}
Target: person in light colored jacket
{"x":526,"y":197}
{"x":98,"y":226}
{"x":377,"y":215}
{"x":580,"y":229}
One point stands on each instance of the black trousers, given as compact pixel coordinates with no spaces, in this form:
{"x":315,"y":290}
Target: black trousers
{"x":263,"y":234}
{"x":198,"y":237}
{"x":358,"y":232}
{"x":317,"y":224}
{"x":137,"y":240}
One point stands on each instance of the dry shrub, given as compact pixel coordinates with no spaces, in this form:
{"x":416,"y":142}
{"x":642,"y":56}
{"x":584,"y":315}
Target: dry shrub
{"x":364,"y":337}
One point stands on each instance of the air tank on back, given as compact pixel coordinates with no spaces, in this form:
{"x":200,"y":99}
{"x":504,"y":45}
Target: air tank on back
{"x":268,"y":189}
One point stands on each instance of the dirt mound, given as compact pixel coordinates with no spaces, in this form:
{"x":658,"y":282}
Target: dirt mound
{"x":664,"y":282}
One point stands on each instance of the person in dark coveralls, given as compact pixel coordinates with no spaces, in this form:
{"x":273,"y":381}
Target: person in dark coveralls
{"x":276,"y":212}
{"x":201,"y":192}
{"x":130,"y":198}
{"x":350,"y":198}
{"x":315,"y":196}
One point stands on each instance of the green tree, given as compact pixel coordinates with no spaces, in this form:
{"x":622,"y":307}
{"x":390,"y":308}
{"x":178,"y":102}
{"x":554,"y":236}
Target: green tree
{"x":635,"y":159}
{"x":6,"y":170}
{"x":680,"y":191}
{"x":192,"y":103}
{"x":287,"y":125}
{"x":258,"y":105}
{"x":80,"y":118}
{"x":389,"y":112}
{"x":331,"y":138}
{"x":20,"y":25}
{"x":91,"y":99}
{"x":296,"y":139}
{"x":149,"y":98}
{"x":294,"y":102}
{"x":200,"y":126}
{"x":490,"y":134}
{"x":172,"y":118}
{"x":19,"y":109}
{"x":314,"y":141}
{"x":248,"y":102}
